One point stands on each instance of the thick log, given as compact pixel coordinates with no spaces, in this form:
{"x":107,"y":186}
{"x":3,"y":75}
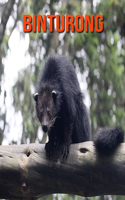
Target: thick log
{"x":26,"y":171}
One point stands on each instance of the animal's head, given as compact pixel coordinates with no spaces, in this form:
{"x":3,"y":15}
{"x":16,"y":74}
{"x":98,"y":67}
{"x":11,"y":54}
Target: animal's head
{"x":46,"y":107}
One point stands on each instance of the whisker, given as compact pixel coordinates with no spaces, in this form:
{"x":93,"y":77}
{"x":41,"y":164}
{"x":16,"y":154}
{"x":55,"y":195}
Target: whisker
{"x":52,"y":122}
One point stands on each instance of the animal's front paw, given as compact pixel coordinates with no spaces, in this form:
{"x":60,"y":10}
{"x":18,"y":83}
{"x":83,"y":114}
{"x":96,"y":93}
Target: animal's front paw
{"x":65,"y":150}
{"x":49,"y":148}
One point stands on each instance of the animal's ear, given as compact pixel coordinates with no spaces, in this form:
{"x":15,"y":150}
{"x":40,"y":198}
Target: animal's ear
{"x":54,"y":94}
{"x":35,"y":96}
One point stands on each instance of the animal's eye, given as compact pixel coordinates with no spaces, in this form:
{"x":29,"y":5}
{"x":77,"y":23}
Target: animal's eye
{"x":48,"y":112}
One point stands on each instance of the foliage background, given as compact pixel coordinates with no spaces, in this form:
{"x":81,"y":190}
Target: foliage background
{"x":99,"y":60}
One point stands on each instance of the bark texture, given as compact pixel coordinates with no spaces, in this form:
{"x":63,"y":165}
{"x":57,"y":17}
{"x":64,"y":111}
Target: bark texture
{"x":26,"y":172}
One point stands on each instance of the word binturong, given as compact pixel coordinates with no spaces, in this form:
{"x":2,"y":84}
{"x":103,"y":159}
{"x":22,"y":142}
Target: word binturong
{"x":62,"y":23}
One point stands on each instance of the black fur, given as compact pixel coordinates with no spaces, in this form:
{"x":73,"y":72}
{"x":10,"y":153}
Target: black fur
{"x":106,"y":140}
{"x":62,"y":113}
{"x":59,"y":92}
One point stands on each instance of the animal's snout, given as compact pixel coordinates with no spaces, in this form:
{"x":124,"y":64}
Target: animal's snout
{"x":44,"y":127}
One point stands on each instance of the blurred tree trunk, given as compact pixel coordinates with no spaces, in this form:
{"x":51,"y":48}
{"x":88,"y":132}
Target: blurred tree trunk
{"x":5,"y":16}
{"x":4,"y":19}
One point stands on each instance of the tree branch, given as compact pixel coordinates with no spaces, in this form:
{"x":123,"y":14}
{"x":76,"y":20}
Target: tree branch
{"x":5,"y":16}
{"x":26,"y":172}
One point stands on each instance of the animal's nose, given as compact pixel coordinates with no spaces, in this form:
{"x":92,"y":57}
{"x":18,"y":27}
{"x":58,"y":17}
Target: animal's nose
{"x":44,"y":127}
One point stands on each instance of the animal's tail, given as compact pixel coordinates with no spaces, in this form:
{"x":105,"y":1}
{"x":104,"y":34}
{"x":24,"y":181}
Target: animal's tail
{"x":106,"y":140}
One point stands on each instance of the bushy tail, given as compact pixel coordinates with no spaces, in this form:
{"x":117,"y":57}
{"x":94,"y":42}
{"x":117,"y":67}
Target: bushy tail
{"x":106,"y":140}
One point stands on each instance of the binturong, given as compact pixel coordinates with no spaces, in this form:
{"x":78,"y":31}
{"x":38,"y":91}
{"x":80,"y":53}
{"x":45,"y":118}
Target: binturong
{"x":59,"y":105}
{"x":62,"y":112}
